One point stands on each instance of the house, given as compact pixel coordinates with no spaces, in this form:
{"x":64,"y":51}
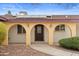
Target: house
{"x":28,"y":29}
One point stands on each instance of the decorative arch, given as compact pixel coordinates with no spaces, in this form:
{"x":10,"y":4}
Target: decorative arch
{"x":46,"y":30}
{"x":68,"y":25}
{"x":40,"y":24}
{"x":9,"y":26}
{"x":61,"y":34}
{"x":18,"y":36}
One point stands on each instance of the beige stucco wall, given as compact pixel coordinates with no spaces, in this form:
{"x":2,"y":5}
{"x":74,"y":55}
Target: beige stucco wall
{"x":46,"y":34}
{"x":33,"y":35}
{"x":49,"y":31}
{"x":14,"y":37}
{"x":61,"y":34}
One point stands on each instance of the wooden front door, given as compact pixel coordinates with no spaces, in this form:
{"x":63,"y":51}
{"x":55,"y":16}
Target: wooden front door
{"x":39,"y":33}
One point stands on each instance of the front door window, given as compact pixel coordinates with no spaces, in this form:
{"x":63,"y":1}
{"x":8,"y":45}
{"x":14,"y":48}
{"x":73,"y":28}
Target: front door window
{"x":39,"y":30}
{"x":39,"y":33}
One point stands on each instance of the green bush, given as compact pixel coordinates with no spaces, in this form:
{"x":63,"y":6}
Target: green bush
{"x":2,"y":32}
{"x":71,"y":43}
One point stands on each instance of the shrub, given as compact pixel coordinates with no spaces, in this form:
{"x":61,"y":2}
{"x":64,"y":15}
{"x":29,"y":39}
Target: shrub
{"x":2,"y":32}
{"x":71,"y":43}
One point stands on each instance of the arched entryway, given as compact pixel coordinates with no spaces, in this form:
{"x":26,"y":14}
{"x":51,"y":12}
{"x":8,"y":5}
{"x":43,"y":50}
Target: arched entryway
{"x":61,"y":31}
{"x":17,"y":34}
{"x":39,"y":33}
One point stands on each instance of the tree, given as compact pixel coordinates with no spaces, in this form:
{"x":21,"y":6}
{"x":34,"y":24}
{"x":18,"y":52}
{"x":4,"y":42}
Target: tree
{"x":2,"y":32}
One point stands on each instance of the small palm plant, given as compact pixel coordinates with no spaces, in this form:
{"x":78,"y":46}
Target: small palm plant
{"x":2,"y":32}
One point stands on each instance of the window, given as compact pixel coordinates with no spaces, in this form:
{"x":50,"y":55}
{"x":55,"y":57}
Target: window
{"x":60,"y":28}
{"x":39,"y":29}
{"x":20,"y":29}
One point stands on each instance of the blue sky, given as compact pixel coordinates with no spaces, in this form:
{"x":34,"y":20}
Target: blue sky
{"x":41,"y":8}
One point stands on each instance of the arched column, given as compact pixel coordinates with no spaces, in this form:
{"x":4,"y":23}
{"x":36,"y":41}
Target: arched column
{"x":6,"y":38}
{"x":73,"y":29}
{"x":50,"y":40}
{"x":28,"y":37}
{"x":51,"y":33}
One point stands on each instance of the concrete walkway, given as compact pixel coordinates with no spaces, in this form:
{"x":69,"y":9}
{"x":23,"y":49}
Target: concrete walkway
{"x":52,"y":51}
{"x":20,"y":50}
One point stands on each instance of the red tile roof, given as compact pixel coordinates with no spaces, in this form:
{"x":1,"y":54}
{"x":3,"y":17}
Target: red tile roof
{"x":42,"y":20}
{"x":74,"y":18}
